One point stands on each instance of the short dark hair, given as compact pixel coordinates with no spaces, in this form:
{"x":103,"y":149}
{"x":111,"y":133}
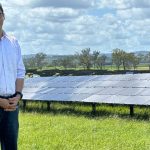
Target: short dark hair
{"x":1,"y":8}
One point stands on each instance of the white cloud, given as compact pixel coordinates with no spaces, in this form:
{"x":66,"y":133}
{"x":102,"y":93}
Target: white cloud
{"x":134,"y":13}
{"x":53,"y":14}
{"x":62,"y":3}
{"x":77,"y":4}
{"x":124,"y":4}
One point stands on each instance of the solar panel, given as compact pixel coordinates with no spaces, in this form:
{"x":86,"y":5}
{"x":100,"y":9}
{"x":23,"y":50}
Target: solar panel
{"x":97,"y":99}
{"x":70,"y":90}
{"x":72,"y":78}
{"x":39,"y":79}
{"x":60,"y":97}
{"x":103,"y":78}
{"x":119,"y":99}
{"x":129,"y":100}
{"x":109,"y":91}
{"x":145,"y":92}
{"x":117,"y":89}
{"x":130,"y":91}
{"x":62,"y":84}
{"x":145,"y":76}
{"x":126,"y":77}
{"x":143,"y":83}
{"x":37,"y":90}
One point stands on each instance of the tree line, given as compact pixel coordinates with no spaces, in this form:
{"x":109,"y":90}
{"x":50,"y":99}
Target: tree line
{"x":88,"y":60}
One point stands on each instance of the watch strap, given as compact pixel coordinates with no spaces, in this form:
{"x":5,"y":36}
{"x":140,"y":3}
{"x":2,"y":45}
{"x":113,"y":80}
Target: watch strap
{"x":19,"y":93}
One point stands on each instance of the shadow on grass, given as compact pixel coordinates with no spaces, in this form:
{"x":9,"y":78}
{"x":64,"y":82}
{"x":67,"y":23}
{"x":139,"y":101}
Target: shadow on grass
{"x":103,"y":111}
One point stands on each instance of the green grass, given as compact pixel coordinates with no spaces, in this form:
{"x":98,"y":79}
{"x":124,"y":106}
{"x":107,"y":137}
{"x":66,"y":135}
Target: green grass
{"x":106,"y":67}
{"x":72,"y":127}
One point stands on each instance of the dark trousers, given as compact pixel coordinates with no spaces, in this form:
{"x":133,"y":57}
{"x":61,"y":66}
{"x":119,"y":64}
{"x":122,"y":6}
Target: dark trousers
{"x":9,"y":129}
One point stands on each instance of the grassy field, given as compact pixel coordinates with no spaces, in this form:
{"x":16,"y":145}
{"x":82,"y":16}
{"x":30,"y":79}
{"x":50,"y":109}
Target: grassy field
{"x":72,"y":127}
{"x":106,"y":67}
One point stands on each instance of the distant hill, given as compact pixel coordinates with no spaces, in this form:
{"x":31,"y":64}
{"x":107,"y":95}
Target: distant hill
{"x":141,"y":52}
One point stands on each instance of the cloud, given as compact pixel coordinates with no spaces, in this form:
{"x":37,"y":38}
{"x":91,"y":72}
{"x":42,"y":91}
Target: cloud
{"x":62,"y":27}
{"x":55,"y":15}
{"x":124,"y":4}
{"x":134,"y":13}
{"x":77,"y":4}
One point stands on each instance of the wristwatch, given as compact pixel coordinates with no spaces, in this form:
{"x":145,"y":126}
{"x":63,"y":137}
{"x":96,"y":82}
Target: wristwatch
{"x":19,"y":93}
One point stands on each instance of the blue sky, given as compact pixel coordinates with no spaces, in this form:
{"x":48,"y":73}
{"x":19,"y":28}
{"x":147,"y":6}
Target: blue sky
{"x":65,"y":27}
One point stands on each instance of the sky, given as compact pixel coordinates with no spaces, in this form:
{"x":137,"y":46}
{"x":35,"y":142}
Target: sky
{"x":64,"y":27}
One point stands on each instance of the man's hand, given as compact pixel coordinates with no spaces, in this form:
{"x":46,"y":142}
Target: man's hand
{"x":13,"y":102}
{"x":5,"y":104}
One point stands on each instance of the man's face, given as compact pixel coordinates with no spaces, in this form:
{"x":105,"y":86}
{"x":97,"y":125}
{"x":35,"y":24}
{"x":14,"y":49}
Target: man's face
{"x":1,"y":19}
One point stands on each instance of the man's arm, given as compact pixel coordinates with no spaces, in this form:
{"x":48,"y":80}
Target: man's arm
{"x":19,"y":87}
{"x":20,"y":71}
{"x":19,"y":84}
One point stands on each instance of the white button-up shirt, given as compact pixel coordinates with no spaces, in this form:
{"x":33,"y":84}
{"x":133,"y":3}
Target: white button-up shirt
{"x":11,"y":64}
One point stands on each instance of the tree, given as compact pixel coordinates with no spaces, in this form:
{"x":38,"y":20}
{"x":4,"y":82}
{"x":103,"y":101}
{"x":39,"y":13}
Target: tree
{"x":40,"y":60}
{"x":125,"y":59}
{"x":117,"y":57}
{"x":95,"y":58}
{"x":101,"y":61}
{"x":148,"y":60}
{"x":135,"y":61}
{"x":55,"y":63}
{"x":29,"y":63}
{"x":85,"y":58}
{"x":65,"y":62}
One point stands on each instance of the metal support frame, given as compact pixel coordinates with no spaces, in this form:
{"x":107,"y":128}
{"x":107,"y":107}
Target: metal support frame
{"x":93,"y":108}
{"x":24,"y":104}
{"x":131,"y":110}
{"x":48,"y":105}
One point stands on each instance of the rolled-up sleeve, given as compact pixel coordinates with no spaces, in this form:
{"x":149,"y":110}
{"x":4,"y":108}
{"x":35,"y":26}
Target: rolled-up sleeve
{"x":20,"y":65}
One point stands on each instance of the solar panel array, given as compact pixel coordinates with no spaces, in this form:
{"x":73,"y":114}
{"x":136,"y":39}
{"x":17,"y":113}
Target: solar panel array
{"x":131,"y":89}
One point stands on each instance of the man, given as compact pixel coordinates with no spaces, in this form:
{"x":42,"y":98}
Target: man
{"x":12,"y":73}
